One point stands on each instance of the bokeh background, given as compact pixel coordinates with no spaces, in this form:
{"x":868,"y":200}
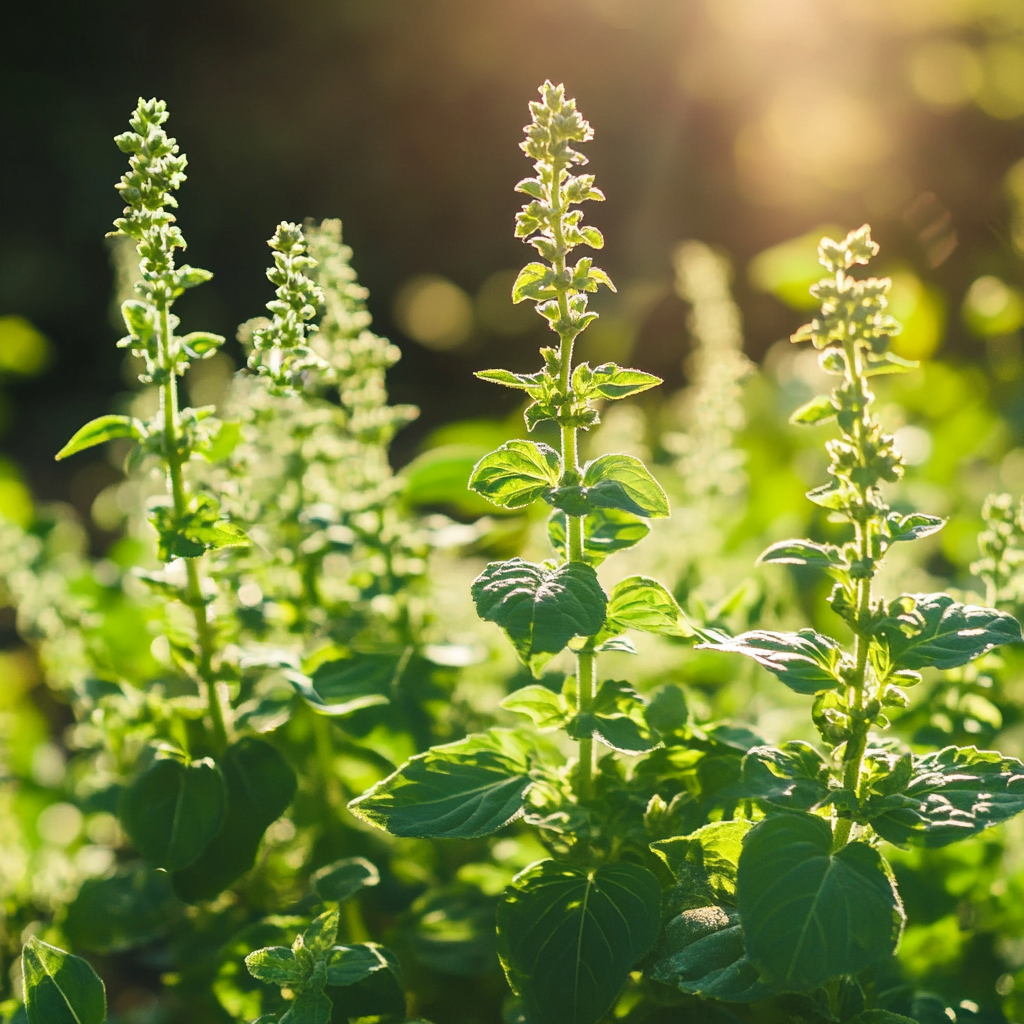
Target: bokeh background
{"x":749,"y":124}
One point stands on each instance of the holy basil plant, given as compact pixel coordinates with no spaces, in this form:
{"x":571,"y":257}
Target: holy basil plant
{"x":572,"y":928}
{"x":811,"y":905}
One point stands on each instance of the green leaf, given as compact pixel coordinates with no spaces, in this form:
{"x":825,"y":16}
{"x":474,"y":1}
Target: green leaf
{"x":201,"y":344}
{"x":277,"y":965}
{"x":933,"y":630}
{"x":460,"y":790}
{"x":882,"y":1017}
{"x":540,"y":609}
{"x":198,"y":530}
{"x":806,"y":662}
{"x":60,"y":988}
{"x":913,"y":526}
{"x":605,"y":531}
{"x":820,"y":409}
{"x":794,"y":777}
{"x":568,"y":937}
{"x":711,"y":854}
{"x":516,"y":474}
{"x":702,"y":953}
{"x":310,"y":1006}
{"x":341,"y":880}
{"x":616,"y":718}
{"x":952,"y":794}
{"x":348,"y":965}
{"x":805,"y":552}
{"x":547,"y":710}
{"x":808,"y":914}
{"x":260,"y":785}
{"x":638,"y":602}
{"x":172,"y":811}
{"x":303,"y":686}
{"x":535,"y":384}
{"x":380,"y":994}
{"x":438,"y":478}
{"x":610,"y":381}
{"x":321,"y":934}
{"x":534,"y":282}
{"x":624,"y":482}
{"x":105,"y":428}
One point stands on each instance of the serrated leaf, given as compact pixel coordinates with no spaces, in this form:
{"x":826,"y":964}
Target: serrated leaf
{"x":459,"y":790}
{"x":568,"y":937}
{"x":624,"y":482}
{"x":97,"y":431}
{"x":349,"y":965}
{"x":702,"y":953}
{"x":793,"y":777}
{"x":340,"y":881}
{"x":533,"y":383}
{"x":808,"y":914}
{"x":545,"y":709}
{"x":276,"y":965}
{"x":605,"y":531}
{"x":260,"y":786}
{"x":806,"y":662}
{"x":820,"y":409}
{"x":172,"y":811}
{"x":938,"y":632}
{"x":616,"y":718}
{"x":639,"y":602}
{"x":534,"y":282}
{"x":712,"y":853}
{"x":804,"y":552}
{"x":516,"y":474}
{"x":611,"y":381}
{"x":540,"y":609}
{"x":60,"y":988}
{"x":952,"y":794}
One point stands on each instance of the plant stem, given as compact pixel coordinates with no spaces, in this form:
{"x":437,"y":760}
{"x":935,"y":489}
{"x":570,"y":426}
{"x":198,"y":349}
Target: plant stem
{"x":194,"y":591}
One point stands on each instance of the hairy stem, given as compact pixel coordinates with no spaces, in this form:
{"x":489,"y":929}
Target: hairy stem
{"x":205,"y":639}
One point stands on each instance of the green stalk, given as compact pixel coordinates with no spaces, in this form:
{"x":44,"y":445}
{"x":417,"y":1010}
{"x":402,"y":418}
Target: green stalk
{"x":194,"y":593}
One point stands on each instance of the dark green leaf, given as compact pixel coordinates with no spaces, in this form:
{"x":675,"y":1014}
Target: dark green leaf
{"x":341,"y":880}
{"x":806,"y":662}
{"x":130,"y":908}
{"x":617,"y":719}
{"x":933,"y":630}
{"x":882,"y":1017}
{"x":805,"y":552}
{"x":516,"y":474}
{"x":605,"y":531}
{"x":952,"y":794}
{"x":820,"y":409}
{"x":260,"y":785}
{"x":808,"y":914}
{"x":568,"y":937}
{"x":60,"y":988}
{"x":310,"y":1006}
{"x":460,"y":790}
{"x":276,"y":965}
{"x":105,"y":428}
{"x":913,"y":526}
{"x":380,"y":994}
{"x":794,"y":777}
{"x":639,"y":602}
{"x":201,"y":528}
{"x":540,"y":609}
{"x":172,"y":811}
{"x":348,"y":965}
{"x":702,"y":953}
{"x":452,"y":930}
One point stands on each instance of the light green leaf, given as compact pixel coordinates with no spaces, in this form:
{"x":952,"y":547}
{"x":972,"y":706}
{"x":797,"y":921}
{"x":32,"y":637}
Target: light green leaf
{"x":616,"y":718}
{"x":806,"y":662}
{"x":60,"y":988}
{"x":639,"y":602}
{"x":712,"y":853}
{"x":540,"y":609}
{"x":818,"y":410}
{"x":568,"y":937}
{"x":104,"y":428}
{"x":933,"y":630}
{"x":702,"y":953}
{"x":260,"y":786}
{"x":547,"y":710}
{"x":348,"y":965}
{"x":276,"y":965}
{"x":624,"y":482}
{"x":912,"y":526}
{"x":534,"y":282}
{"x":952,"y":794}
{"x":808,"y":914}
{"x":516,"y":474}
{"x":805,"y":552}
{"x":610,"y":381}
{"x":172,"y":811}
{"x":201,"y":344}
{"x":793,"y":777}
{"x":535,"y":384}
{"x":341,"y":880}
{"x":605,"y":531}
{"x":321,"y":934}
{"x":460,"y":790}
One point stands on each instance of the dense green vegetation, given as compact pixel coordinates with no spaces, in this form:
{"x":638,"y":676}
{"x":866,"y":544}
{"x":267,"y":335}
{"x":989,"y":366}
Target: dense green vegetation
{"x":264,"y":764}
